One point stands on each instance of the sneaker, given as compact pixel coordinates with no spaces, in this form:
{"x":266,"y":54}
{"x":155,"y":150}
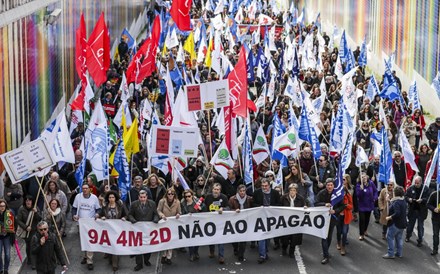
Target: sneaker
{"x":138,"y":267}
{"x":386,"y":256}
{"x":407,"y":240}
{"x":434,"y":252}
{"x":261,"y":260}
{"x":147,"y":263}
{"x":221,"y":260}
{"x":90,"y":266}
{"x":325,"y":260}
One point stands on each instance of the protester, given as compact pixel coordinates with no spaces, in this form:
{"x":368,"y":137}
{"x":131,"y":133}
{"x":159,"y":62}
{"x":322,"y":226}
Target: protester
{"x":114,"y":209}
{"x":47,"y":250}
{"x":434,"y":207}
{"x":54,"y":193}
{"x":169,"y":206}
{"x":366,"y":194}
{"x":27,"y":219}
{"x":86,"y":205}
{"x":13,"y":194}
{"x":237,"y":203}
{"x":265,"y":196}
{"x":345,"y":216}
{"x":143,"y":210}
{"x":385,"y":197}
{"x":7,"y":233}
{"x":292,"y":199}
{"x":397,"y":223}
{"x":55,"y":218}
{"x":417,"y":197}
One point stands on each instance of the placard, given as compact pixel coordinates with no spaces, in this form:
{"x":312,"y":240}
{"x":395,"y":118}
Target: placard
{"x":23,"y":162}
{"x":208,"y":95}
{"x":175,"y":141}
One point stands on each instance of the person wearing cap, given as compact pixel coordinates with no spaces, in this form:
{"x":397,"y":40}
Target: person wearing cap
{"x":385,"y":196}
{"x":431,"y":133}
{"x":133,"y":194}
{"x":417,"y":197}
{"x":324,"y":199}
{"x":396,"y":224}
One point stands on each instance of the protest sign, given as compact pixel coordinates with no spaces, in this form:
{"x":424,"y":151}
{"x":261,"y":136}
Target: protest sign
{"x":24,"y":161}
{"x":208,"y":95}
{"x":124,"y":238}
{"x":175,"y":141}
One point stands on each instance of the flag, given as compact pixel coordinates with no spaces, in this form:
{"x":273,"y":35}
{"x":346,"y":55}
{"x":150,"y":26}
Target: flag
{"x":260,"y":149}
{"x":286,"y":143}
{"x":181,"y":179}
{"x":361,"y":156}
{"x":264,"y":20}
{"x":413,"y":96}
{"x":120,"y":164}
{"x":373,"y":88}
{"x":308,"y":133}
{"x":407,"y":151}
{"x":222,"y":160}
{"x":391,"y":92}
{"x":98,"y":137}
{"x":338,"y":191}
{"x":438,"y":162}
{"x":219,"y":7}
{"x":81,"y":48}
{"x":161,"y":163}
{"x":81,"y":169}
{"x":98,"y":52}
{"x":179,"y":11}
{"x":277,"y":130}
{"x":278,"y":178}
{"x":247,"y":157}
{"x":362,"y":59}
{"x":436,"y":84}
{"x":343,"y":48}
{"x":338,"y":68}
{"x":238,"y":86}
{"x":432,"y":168}
{"x":189,"y":46}
{"x":131,"y":139}
{"x":386,"y":159}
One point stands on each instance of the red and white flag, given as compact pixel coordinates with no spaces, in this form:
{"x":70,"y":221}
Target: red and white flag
{"x":238,"y":86}
{"x":180,"y":13}
{"x":81,"y":49}
{"x":98,"y":52}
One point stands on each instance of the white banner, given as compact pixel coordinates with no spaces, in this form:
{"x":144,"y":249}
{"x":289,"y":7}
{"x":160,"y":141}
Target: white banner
{"x":208,"y":95}
{"x":124,"y":238}
{"x":174,"y":141}
{"x":25,"y":161}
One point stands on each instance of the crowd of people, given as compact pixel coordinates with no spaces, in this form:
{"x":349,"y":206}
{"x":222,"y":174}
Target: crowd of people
{"x":40,"y":215}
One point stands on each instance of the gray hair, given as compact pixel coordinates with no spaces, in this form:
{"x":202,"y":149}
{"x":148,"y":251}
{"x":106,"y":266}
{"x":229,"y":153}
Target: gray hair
{"x":41,"y":223}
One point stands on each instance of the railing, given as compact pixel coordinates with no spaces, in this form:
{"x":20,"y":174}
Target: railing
{"x":6,"y":5}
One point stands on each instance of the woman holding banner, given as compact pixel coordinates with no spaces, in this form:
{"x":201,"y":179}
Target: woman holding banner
{"x":292,"y":199}
{"x":6,"y":235}
{"x":169,"y":206}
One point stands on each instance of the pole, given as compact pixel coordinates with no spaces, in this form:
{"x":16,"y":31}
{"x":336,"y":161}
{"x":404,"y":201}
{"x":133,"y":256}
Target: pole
{"x":35,"y":206}
{"x":54,"y":222}
{"x":206,"y":179}
{"x":209,"y":132}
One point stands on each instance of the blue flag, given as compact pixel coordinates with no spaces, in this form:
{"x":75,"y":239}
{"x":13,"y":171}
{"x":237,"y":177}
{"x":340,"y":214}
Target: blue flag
{"x":250,"y":67}
{"x":295,"y":64}
{"x":436,"y":84}
{"x":129,"y":40}
{"x":277,"y":130}
{"x":372,"y":89}
{"x":386,"y":159}
{"x":121,"y":166}
{"x":343,"y":48}
{"x":308,"y":133}
{"x":362,"y":59}
{"x":247,"y":158}
{"x":338,"y":191}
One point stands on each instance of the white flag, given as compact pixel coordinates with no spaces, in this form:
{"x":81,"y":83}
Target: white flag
{"x":361,"y":156}
{"x":286,"y":143}
{"x":407,"y":151}
{"x":260,"y":149}
{"x":222,"y":160}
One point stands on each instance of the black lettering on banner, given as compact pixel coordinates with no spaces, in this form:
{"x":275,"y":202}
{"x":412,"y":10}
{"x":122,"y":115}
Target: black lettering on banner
{"x":183,"y":231}
{"x":259,"y":225}
{"x":213,"y":229}
{"x":281,"y":222}
{"x":228,"y":228}
{"x":197,"y":231}
{"x":293,"y":223}
{"x":306,"y":220}
{"x":319,"y":221}
{"x":242,"y":229}
{"x":271,"y":221}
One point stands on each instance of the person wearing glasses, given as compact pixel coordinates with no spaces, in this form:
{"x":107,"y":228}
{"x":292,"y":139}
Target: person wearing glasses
{"x":47,"y":249}
{"x":143,"y":210}
{"x":169,"y":206}
{"x":7,"y":220}
{"x":399,"y":169}
{"x":321,"y":173}
{"x":189,"y":205}
{"x":86,"y":205}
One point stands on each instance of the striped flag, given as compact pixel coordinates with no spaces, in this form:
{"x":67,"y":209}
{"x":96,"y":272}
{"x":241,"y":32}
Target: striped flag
{"x":247,"y":157}
{"x":121,"y":166}
{"x":260,"y":150}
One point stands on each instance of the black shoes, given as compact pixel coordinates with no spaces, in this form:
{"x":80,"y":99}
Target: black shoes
{"x":138,"y":267}
{"x":84,"y":261}
{"x":434,"y":252}
{"x":325,"y":260}
{"x":147,"y":263}
{"x":90,"y":266}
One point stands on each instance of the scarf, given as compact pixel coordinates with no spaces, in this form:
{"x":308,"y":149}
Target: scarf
{"x":292,"y":201}
{"x":240,"y":200}
{"x":56,"y":212}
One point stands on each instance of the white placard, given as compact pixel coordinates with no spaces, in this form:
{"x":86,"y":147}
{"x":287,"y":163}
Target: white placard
{"x":175,"y":141}
{"x":23,"y":162}
{"x":208,"y":95}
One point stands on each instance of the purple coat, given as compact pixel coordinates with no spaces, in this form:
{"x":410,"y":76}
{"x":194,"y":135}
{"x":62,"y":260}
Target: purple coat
{"x":366,"y":197}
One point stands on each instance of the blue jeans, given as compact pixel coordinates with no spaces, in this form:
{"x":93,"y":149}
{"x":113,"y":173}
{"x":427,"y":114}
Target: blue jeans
{"x":5,"y":244}
{"x":342,"y":231}
{"x":395,"y":240}
{"x":263,"y":246}
{"x":325,"y":243}
{"x":193,"y":250}
{"x":414,"y":216}
{"x":221,"y":249}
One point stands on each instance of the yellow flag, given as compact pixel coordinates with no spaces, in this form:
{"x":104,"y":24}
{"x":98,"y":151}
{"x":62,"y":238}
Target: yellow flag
{"x":131,"y":140}
{"x":111,"y":160}
{"x":208,"y":59}
{"x":189,"y":46}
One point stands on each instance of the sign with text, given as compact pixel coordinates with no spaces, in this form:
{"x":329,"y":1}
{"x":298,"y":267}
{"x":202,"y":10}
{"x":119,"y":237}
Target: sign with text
{"x":175,"y":141}
{"x":124,"y":238}
{"x":208,"y":95}
{"x":23,"y":162}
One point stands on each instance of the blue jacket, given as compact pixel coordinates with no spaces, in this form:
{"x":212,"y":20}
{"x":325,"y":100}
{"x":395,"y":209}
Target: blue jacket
{"x":398,"y":212}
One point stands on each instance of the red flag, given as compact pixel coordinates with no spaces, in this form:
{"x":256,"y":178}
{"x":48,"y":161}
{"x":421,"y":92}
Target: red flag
{"x":238,"y":86}
{"x":98,"y":52}
{"x":180,"y":13}
{"x":78,"y":103}
{"x":80,"y":50}
{"x":168,"y":115}
{"x":147,"y":50}
{"x":228,"y":130}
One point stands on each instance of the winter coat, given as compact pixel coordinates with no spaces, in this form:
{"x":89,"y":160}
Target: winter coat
{"x":163,"y":209}
{"x":384,"y":204}
{"x":366,"y":197}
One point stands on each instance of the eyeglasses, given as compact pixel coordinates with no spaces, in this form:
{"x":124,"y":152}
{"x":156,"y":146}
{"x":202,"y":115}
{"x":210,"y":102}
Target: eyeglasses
{"x":43,"y":229}
{"x":170,"y":194}
{"x":200,"y":180}
{"x":187,"y":196}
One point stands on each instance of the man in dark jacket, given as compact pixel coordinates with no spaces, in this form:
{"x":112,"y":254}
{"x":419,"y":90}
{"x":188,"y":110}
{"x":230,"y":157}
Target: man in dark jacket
{"x":396,"y":224}
{"x":47,"y":250}
{"x":143,"y":210}
{"x":324,"y":199}
{"x":416,"y":196}
{"x":431,"y":133}
{"x":265,"y":196}
{"x":399,"y":169}
{"x":321,"y":173}
{"x":434,"y":206}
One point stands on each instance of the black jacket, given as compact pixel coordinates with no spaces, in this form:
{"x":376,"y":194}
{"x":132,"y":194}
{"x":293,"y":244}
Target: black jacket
{"x":397,"y":212}
{"x":147,"y":214}
{"x":432,"y":204}
{"x":324,"y":197}
{"x":48,"y":253}
{"x":275,"y":199}
{"x":414,"y":193}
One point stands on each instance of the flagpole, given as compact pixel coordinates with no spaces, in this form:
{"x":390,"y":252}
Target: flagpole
{"x":35,"y":205}
{"x":209,"y":132}
{"x":206,"y":180}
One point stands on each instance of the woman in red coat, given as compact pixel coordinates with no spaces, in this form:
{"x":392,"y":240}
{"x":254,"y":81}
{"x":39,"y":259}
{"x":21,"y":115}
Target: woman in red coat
{"x":346,"y":216}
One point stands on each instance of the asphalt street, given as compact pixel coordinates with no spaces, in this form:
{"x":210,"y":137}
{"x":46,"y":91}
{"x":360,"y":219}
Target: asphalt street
{"x":362,"y":257}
